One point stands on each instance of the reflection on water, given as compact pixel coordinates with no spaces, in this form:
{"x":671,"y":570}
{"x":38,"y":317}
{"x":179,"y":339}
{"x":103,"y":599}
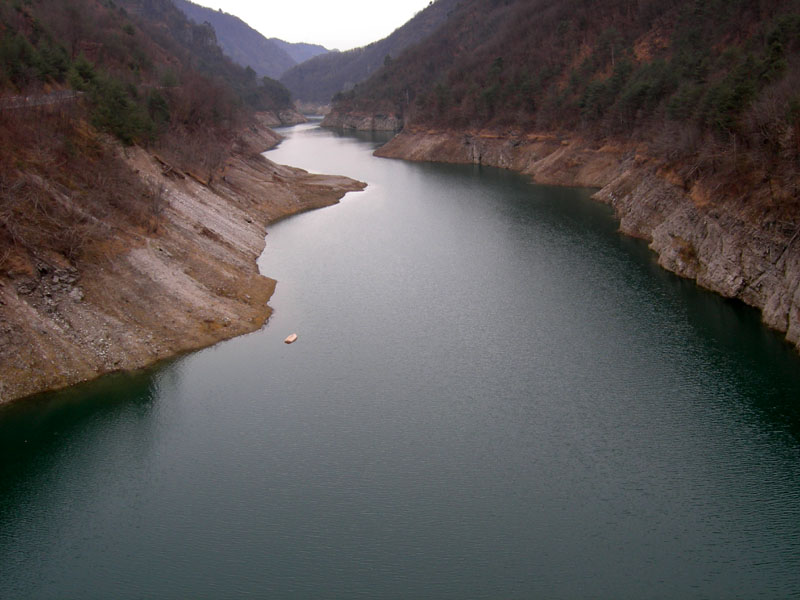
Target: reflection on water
{"x":36,"y":428}
{"x":44,"y":437}
{"x":493,"y":395}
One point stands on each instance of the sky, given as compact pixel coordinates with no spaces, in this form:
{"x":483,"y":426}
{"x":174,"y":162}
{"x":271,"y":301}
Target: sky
{"x":340,"y":24}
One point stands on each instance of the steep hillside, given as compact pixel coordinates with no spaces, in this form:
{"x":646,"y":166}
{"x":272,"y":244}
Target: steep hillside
{"x":686,"y":113}
{"x":72,"y":72}
{"x":267,"y":57}
{"x":318,"y":79}
{"x":132,"y":191}
{"x":604,"y":67}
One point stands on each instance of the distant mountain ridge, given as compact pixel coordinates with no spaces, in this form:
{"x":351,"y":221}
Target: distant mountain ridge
{"x":267,"y":57}
{"x":298,"y":51}
{"x":318,"y":79}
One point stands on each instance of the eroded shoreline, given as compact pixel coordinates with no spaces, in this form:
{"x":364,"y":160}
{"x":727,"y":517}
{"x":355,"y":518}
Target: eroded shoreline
{"x":732,"y":246}
{"x":144,"y":297}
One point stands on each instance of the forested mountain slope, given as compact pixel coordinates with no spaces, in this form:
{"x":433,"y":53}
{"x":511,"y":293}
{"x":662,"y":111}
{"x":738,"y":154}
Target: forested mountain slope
{"x":685,"y":112}
{"x":711,"y":87}
{"x":267,"y":57}
{"x":319,"y":78}
{"x":605,"y":67}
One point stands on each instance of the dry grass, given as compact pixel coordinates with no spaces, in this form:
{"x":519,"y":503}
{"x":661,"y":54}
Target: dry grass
{"x":63,"y":188}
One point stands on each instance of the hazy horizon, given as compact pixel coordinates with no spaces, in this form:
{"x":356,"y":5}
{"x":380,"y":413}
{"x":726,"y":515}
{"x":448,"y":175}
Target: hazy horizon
{"x":340,"y":26}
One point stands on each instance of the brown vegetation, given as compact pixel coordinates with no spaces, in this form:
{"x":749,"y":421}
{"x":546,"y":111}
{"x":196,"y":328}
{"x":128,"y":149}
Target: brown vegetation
{"x":61,"y":188}
{"x":139,"y":73}
{"x":618,"y":68}
{"x":685,"y":112}
{"x":133,"y":196}
{"x":710,"y":87}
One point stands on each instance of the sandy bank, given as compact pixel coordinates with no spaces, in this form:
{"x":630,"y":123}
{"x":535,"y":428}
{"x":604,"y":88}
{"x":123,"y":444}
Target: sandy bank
{"x":141,"y":297}
{"x":742,"y":247}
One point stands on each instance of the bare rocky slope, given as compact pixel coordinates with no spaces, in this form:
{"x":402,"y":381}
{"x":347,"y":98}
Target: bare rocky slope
{"x":140,"y":298}
{"x":717,"y":241}
{"x":363,"y":121}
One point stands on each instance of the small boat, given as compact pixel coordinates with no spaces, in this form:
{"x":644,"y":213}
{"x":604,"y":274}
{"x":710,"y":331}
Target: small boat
{"x":291,"y":339}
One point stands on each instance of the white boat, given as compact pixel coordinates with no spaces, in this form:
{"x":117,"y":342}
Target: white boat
{"x":291,"y":339}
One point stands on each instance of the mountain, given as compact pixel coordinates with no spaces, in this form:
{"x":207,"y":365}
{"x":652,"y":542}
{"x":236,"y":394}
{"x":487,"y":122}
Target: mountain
{"x":267,"y":57}
{"x":76,"y":76}
{"x":685,"y":114}
{"x":133,"y":194}
{"x":609,"y":66}
{"x":299,"y":52}
{"x":318,"y":79}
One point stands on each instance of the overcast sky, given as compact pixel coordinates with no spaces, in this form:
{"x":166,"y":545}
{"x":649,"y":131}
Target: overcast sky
{"x":340,"y":24}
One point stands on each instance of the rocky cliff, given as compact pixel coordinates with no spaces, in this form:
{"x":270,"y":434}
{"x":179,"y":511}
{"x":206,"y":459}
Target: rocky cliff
{"x":145,"y":296}
{"x":734,"y":247}
{"x":287,"y":116}
{"x":363,"y":121}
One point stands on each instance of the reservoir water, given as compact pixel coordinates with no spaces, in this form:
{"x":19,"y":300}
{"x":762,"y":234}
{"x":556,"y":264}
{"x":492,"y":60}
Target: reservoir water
{"x":493,"y":395}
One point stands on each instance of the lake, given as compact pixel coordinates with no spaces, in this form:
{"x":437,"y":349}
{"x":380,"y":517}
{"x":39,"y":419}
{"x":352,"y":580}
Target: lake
{"x":493,"y":395}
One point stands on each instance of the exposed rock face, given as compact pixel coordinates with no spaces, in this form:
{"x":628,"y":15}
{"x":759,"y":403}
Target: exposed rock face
{"x":715,"y":241}
{"x":363,"y":121}
{"x":287,"y":116}
{"x":290,"y":116}
{"x":143,"y":297}
{"x":312,"y":108}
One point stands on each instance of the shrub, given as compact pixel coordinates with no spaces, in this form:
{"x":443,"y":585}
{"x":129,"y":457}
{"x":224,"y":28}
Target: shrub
{"x":116,"y":112}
